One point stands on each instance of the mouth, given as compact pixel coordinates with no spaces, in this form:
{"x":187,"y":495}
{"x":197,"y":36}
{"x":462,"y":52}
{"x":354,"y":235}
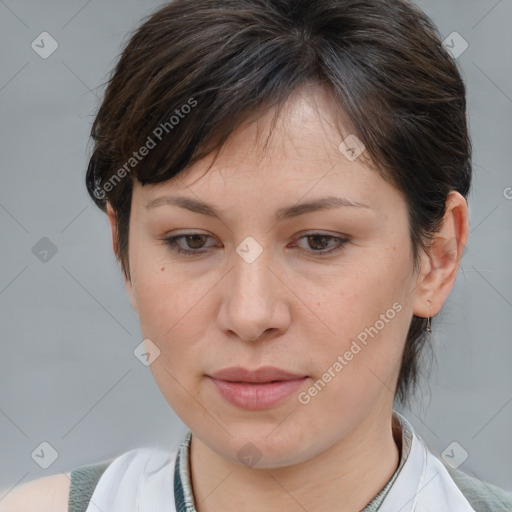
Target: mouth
{"x":264,"y":374}
{"x":262,"y":388}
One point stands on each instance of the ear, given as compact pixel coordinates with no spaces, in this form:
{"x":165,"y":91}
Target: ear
{"x":440,"y":264}
{"x":113,"y":227}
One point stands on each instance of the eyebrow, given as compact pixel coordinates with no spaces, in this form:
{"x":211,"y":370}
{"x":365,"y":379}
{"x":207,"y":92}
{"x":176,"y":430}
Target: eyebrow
{"x":197,"y":206}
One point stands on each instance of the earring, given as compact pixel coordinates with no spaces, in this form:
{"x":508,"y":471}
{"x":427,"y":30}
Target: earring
{"x":429,"y":328}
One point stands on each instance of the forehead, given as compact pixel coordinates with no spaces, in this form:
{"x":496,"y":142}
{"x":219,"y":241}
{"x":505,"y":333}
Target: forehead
{"x":288,"y":152}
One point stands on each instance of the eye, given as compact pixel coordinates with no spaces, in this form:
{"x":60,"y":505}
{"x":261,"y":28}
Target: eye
{"x":319,"y":241}
{"x":195,"y":243}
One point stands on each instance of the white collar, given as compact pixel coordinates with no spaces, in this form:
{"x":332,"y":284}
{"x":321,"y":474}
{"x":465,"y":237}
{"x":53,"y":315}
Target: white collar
{"x":423,"y":484}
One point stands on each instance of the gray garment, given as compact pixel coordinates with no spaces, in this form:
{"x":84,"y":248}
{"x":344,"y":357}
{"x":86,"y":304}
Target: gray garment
{"x":482,"y":496}
{"x":83,"y":483}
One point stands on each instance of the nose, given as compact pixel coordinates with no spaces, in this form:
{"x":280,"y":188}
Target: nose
{"x":254,"y":299}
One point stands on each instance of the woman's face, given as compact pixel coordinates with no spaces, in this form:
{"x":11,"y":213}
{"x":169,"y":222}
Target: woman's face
{"x":261,"y":291}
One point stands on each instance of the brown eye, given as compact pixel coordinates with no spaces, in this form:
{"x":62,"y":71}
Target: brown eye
{"x":194,"y":242}
{"x":319,"y":243}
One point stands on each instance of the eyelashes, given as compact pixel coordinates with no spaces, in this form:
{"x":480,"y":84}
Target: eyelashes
{"x":192,"y":238}
{"x":171,"y":242}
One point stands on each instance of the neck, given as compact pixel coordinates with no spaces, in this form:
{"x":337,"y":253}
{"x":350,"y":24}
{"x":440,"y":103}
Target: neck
{"x":345,"y":477}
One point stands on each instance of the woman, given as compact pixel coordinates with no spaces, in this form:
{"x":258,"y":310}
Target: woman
{"x":286,"y":185}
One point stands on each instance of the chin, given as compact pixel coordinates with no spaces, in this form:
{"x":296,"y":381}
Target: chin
{"x":252,"y":445}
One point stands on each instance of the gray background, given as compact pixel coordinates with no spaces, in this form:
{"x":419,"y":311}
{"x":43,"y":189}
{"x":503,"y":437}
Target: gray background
{"x":68,"y":373}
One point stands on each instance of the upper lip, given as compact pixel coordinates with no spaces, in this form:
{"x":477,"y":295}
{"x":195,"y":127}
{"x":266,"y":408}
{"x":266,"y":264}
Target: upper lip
{"x":263,"y":374}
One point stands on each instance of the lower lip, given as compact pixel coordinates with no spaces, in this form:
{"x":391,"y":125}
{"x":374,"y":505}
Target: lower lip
{"x":257,"y":396}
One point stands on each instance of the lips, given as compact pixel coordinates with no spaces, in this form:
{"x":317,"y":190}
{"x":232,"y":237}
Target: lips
{"x":259,"y":375}
{"x":258,"y":389}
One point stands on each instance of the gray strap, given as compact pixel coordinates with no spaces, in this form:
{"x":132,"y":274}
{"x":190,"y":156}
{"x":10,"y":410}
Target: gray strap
{"x":83,"y":483}
{"x":483,"y":497}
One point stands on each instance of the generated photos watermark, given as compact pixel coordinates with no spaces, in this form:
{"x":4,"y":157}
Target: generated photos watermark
{"x":305,"y":397}
{"x":156,"y":136}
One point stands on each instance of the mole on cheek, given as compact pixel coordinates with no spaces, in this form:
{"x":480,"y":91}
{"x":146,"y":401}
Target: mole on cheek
{"x":162,"y":268}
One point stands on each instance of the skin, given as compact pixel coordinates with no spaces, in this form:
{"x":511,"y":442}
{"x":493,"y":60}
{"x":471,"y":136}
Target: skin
{"x":290,"y":308}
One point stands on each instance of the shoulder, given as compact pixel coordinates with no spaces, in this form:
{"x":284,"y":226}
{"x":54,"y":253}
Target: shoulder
{"x":136,"y":480}
{"x":48,"y":494}
{"x":67,"y":492}
{"x":482,"y":496}
{"x":63,"y":492}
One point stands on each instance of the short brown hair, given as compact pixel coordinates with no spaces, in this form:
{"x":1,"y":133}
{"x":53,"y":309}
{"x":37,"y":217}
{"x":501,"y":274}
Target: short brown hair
{"x":381,"y":60}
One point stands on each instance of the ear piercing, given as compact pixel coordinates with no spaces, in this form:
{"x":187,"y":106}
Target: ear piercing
{"x":428,"y":328}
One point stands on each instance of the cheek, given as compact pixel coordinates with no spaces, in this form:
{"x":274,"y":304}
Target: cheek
{"x":160,"y":293}
{"x":360,"y":297}
{"x":367,"y":314}
{"x":172,"y":310}
{"x":358,"y":369}
{"x":151,"y":290}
